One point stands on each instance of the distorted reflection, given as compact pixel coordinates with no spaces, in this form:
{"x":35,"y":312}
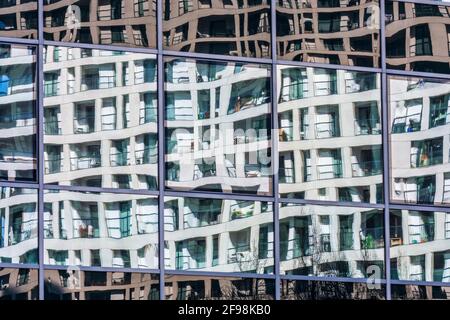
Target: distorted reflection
{"x":18,"y":225}
{"x":329,"y":135}
{"x":17,"y":113}
{"x":101,"y":230}
{"x":218,"y":126}
{"x":100,"y":118}
{"x":92,"y":285}
{"x":19,"y":18}
{"x":419,"y":292}
{"x":416,"y":37}
{"x":19,"y":284}
{"x":130,"y":23}
{"x":419,"y":132}
{"x":329,"y":31}
{"x":237,"y":28}
{"x":218,"y":235}
{"x":331,"y":241}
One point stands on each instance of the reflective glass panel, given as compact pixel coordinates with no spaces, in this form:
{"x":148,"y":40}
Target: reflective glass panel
{"x":420,"y":245}
{"x":17,"y":113}
{"x":329,"y":31}
{"x":417,"y":37}
{"x":328,"y":290}
{"x":18,"y":225}
{"x":218,"y":123}
{"x":419,"y":292}
{"x":419,"y":140}
{"x":19,"y":284}
{"x":236,"y":28}
{"x":195,"y":287}
{"x":130,"y":23}
{"x":329,"y":135}
{"x":93,"y":285}
{"x":218,"y":235}
{"x":100,"y":229}
{"x":331,"y":241}
{"x":18,"y":19}
{"x":100,"y":118}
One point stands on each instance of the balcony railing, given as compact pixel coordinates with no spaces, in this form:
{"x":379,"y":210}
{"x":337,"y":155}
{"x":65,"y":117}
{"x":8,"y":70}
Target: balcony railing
{"x":294,"y":91}
{"x":425,"y":159}
{"x":96,"y":82}
{"x":23,"y":119}
{"x":51,"y":88}
{"x":326,"y":129}
{"x":23,"y":231}
{"x":329,"y":171}
{"x":204,"y":171}
{"x":366,"y":168}
{"x":367,"y":127}
{"x":286,"y":175}
{"x":239,"y":253}
{"x":372,"y":238}
{"x":424,"y":232}
{"x":147,"y":155}
{"x":147,"y":114}
{"x":202,"y":217}
{"x":53,"y":165}
{"x":52,"y":127}
{"x":119,"y":158}
{"x":84,"y":124}
{"x":293,"y":248}
{"x":399,"y":123}
{"x":85,"y":162}
{"x":8,"y":155}
{"x":325,"y":88}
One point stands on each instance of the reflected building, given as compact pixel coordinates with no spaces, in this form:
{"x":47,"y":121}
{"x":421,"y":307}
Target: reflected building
{"x":100,"y":230}
{"x":417,"y":37}
{"x":129,"y":23}
{"x":197,"y":287}
{"x":329,"y":135}
{"x":17,"y":113}
{"x":92,"y":285}
{"x":18,"y":225}
{"x":419,"y":120}
{"x":100,"y":115}
{"x":218,"y":127}
{"x":236,"y":28}
{"x":218,"y":235}
{"x":19,"y":18}
{"x":331,"y":241}
{"x":18,"y":284}
{"x":329,"y":31}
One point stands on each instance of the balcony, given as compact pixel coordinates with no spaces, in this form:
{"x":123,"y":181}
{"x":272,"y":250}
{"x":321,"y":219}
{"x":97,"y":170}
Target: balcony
{"x":52,"y":127}
{"x":327,"y":129}
{"x":367,"y":168}
{"x":10,"y":155}
{"x":86,"y":161}
{"x":367,"y":126}
{"x":147,"y":155}
{"x":16,"y":120}
{"x":325,"y":87}
{"x":204,"y":170}
{"x":239,"y":253}
{"x":286,"y":175}
{"x":293,"y":248}
{"x":51,"y":88}
{"x":202,"y":216}
{"x":330,"y":171}
{"x":119,"y":158}
{"x":422,"y":158}
{"x":53,"y":165}
{"x":97,"y":82}
{"x":294,"y":91}
{"x":372,"y":237}
{"x":83,"y":125}
{"x":421,"y":233}
{"x":399,"y":123}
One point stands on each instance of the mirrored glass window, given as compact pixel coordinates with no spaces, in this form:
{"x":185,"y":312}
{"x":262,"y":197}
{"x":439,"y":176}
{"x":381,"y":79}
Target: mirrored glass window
{"x":329,"y":135}
{"x":195,"y":287}
{"x":331,"y":241}
{"x":93,"y":285}
{"x":218,"y":126}
{"x":130,"y":23}
{"x":17,"y":113}
{"x":420,"y":245}
{"x":329,"y":31}
{"x":100,"y":118}
{"x":19,"y":284}
{"x":19,"y":18}
{"x":419,"y":140}
{"x":18,"y":225}
{"x":218,"y":235}
{"x":419,"y":292}
{"x":236,"y":28}
{"x":100,"y":229}
{"x":417,"y":37}
{"x":328,"y":290}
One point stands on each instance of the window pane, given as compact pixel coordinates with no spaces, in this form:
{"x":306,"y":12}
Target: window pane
{"x":328,"y":290}
{"x":419,"y":292}
{"x":218,"y":235}
{"x":18,"y":284}
{"x":18,"y":19}
{"x":225,"y":27}
{"x":130,"y":23}
{"x":218,"y":122}
{"x":100,"y":118}
{"x":417,"y":37}
{"x":419,"y":132}
{"x":420,"y":245}
{"x":331,"y":241}
{"x":194,"y":287}
{"x":18,"y":225}
{"x":329,"y":31}
{"x":329,"y":135}
{"x":17,"y":113}
{"x":100,"y":229}
{"x":93,"y":285}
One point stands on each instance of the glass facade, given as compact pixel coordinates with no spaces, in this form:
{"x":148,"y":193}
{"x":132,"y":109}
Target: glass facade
{"x":249,"y":149}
